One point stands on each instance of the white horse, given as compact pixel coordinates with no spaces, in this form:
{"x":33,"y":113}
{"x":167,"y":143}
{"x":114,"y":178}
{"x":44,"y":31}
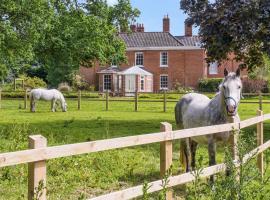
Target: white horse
{"x":196,"y":110}
{"x":47,"y":95}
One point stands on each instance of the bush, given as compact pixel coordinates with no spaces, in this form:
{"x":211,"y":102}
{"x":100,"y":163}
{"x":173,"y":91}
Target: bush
{"x":177,"y":87}
{"x":79,"y":83}
{"x":33,"y":82}
{"x":64,"y":87}
{"x":209,"y":84}
{"x":255,"y":85}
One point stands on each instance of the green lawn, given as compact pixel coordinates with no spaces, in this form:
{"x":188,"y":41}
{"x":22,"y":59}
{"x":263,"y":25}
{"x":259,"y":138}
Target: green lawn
{"x":97,"y":173}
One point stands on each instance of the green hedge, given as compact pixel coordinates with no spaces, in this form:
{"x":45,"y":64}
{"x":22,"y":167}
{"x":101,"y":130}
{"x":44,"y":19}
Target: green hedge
{"x":209,"y":84}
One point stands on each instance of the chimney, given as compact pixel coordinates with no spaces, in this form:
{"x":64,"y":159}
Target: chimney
{"x":133,"y":28}
{"x":188,"y":29}
{"x":166,"y":24}
{"x":140,"y":28}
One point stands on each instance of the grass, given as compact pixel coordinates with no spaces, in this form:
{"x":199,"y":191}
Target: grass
{"x":92,"y":174}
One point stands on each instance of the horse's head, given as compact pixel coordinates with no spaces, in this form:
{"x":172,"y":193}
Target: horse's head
{"x":64,"y":107}
{"x":231,"y":88}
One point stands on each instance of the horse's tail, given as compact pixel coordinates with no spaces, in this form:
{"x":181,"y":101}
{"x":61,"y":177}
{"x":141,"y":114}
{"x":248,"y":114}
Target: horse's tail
{"x":178,"y":111}
{"x":178,"y":114}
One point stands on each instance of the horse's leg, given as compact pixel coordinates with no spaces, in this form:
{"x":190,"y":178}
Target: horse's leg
{"x":212,"y":155}
{"x":53,"y":105}
{"x":193,"y":147}
{"x":185,"y":154}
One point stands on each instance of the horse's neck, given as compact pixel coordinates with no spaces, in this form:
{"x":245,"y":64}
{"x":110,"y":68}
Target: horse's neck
{"x":217,"y":108}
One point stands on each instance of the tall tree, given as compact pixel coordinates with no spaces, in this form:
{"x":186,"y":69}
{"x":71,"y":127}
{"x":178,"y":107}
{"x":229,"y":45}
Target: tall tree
{"x":60,"y":35}
{"x":238,"y":26}
{"x":22,"y":24}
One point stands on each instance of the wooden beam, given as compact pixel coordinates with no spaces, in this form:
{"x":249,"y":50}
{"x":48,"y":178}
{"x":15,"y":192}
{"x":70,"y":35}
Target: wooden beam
{"x":166,"y":152}
{"x":136,"y":191}
{"x":14,"y":158}
{"x":37,"y":171}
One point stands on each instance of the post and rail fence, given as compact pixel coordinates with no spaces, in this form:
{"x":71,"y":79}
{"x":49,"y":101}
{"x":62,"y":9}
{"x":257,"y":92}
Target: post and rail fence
{"x":38,"y":153}
{"x":163,"y":98}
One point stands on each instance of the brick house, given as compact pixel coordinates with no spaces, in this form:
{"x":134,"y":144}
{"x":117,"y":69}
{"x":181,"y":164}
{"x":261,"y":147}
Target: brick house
{"x":173,"y":60}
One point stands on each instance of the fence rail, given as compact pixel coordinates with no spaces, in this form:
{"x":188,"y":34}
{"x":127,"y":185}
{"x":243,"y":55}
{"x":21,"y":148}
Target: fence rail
{"x":135,"y":99}
{"x":39,"y":153}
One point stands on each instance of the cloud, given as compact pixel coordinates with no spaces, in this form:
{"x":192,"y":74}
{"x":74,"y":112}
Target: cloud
{"x":112,"y":2}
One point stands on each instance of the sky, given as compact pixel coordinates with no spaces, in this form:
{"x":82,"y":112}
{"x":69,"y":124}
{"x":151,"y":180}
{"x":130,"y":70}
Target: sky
{"x":153,"y":11}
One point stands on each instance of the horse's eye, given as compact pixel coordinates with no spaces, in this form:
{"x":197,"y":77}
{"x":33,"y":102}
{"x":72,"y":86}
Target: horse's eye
{"x":239,"y":87}
{"x":224,"y":87}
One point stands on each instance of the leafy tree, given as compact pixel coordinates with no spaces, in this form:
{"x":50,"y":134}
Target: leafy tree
{"x":238,"y":26}
{"x":21,"y":27}
{"x":61,"y":35}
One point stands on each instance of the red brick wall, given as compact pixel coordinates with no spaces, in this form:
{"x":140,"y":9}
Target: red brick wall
{"x":184,"y":66}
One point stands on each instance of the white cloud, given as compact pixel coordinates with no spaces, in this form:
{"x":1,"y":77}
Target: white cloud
{"x":112,"y":2}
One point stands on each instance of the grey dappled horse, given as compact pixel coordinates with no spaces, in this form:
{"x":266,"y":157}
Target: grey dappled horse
{"x":196,"y":110}
{"x":47,"y":95}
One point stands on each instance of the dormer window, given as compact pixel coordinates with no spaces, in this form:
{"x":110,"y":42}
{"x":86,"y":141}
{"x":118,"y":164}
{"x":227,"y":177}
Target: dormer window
{"x":164,"y":59}
{"x":138,"y":58}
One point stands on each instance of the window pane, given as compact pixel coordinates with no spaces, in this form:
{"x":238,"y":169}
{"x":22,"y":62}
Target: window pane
{"x":139,"y":58}
{"x":142,"y":83}
{"x":164,"y":82}
{"x":164,"y":59}
{"x":107,"y":82}
{"x":213,"y":68}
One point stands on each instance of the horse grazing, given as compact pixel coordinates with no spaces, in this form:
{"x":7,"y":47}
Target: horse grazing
{"x":197,"y":110}
{"x":47,"y":95}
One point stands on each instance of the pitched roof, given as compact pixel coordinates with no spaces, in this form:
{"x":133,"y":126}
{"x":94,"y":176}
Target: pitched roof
{"x":149,"y":39}
{"x":136,"y":70}
{"x":110,"y":70}
{"x":189,"y":40}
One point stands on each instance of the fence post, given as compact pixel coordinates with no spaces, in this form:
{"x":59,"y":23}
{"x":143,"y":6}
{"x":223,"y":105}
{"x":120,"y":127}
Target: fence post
{"x":136,"y":101}
{"x":14,"y":84}
{"x":234,"y":139}
{"x":164,"y":101}
{"x":260,"y":101}
{"x":260,"y":142}
{"x":79,"y":99}
{"x":166,"y":155}
{"x":107,"y":100}
{"x":37,"y":171}
{"x":25,"y":99}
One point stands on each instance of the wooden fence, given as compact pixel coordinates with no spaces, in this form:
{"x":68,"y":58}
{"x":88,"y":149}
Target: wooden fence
{"x":38,"y":153}
{"x":107,"y":99}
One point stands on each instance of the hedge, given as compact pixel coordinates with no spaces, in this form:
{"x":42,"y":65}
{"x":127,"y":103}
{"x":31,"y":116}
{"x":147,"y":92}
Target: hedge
{"x":209,"y":84}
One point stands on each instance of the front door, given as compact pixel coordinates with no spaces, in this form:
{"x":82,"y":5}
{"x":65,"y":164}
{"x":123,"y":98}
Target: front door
{"x":130,"y":85}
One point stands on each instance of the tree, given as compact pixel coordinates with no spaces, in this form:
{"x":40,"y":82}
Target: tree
{"x":21,"y":26}
{"x":241,"y":27}
{"x":61,"y":35}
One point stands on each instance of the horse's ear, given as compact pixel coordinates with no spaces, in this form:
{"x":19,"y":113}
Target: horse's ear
{"x":226,"y":72}
{"x":238,"y":72}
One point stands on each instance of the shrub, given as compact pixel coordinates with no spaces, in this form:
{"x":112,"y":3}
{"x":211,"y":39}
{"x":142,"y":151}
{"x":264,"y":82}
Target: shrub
{"x":33,"y":82}
{"x":79,"y":83}
{"x":209,"y":84}
{"x":181,"y":89}
{"x":64,"y":87}
{"x":255,"y":85}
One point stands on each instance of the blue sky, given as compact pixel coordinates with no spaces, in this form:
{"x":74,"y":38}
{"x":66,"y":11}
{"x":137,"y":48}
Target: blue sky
{"x":153,"y":11}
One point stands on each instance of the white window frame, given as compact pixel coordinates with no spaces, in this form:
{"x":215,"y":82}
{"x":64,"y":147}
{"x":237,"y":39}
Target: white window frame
{"x":213,"y":68}
{"x":142,"y":79}
{"x":136,"y":54}
{"x":160,"y":85}
{"x":161,"y":58}
{"x":104,"y":82}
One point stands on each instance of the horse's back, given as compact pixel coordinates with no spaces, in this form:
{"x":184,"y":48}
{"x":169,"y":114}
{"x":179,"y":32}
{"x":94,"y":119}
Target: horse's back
{"x":45,"y":94}
{"x":190,"y":109}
